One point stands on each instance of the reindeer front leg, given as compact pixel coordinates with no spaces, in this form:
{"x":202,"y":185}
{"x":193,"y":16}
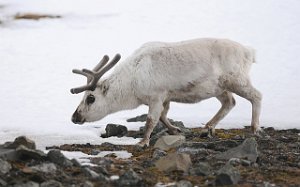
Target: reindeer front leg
{"x":155,"y":109}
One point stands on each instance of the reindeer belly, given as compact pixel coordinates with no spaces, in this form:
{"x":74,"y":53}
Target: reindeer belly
{"x":195,"y":92}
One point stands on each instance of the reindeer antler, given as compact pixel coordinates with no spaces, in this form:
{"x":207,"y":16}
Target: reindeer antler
{"x":94,"y":75}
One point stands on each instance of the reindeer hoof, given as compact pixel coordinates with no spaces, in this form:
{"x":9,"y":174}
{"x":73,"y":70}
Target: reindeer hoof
{"x":211,"y":132}
{"x":143,"y":143}
{"x":259,"y":132}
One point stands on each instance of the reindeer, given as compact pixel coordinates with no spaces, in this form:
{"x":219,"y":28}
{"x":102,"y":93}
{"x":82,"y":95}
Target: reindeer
{"x":159,"y":73}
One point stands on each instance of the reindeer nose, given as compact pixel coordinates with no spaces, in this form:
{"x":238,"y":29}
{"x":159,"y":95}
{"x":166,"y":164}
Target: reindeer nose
{"x":77,"y":118}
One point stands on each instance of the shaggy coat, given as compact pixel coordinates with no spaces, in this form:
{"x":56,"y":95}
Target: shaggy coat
{"x":187,"y":72}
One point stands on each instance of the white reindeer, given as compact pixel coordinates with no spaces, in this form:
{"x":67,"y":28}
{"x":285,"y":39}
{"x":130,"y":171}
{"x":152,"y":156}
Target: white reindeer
{"x":158,"y":73}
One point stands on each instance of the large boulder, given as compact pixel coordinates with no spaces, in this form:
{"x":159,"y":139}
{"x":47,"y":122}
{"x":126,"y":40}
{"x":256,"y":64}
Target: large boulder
{"x":21,"y":140}
{"x":167,"y":142}
{"x":174,"y":161}
{"x":248,"y":150}
{"x":228,"y":175}
{"x":58,"y":158}
{"x":201,"y":169}
{"x":24,"y":153}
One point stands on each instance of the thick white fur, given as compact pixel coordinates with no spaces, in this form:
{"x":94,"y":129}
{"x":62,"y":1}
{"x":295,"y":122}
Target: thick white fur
{"x":188,"y":72}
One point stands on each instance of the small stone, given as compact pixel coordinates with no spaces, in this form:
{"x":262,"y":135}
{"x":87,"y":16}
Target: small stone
{"x":51,"y":183}
{"x":201,"y":169}
{"x":21,"y":140}
{"x":45,"y":168}
{"x":167,"y":142}
{"x":57,"y":157}
{"x":228,"y":175}
{"x":130,"y":178}
{"x":5,"y":167}
{"x":24,"y":153}
{"x":158,"y":154}
{"x":141,"y":118}
{"x":115,"y":130}
{"x":248,"y":149}
{"x":184,"y":183}
{"x":174,"y":161}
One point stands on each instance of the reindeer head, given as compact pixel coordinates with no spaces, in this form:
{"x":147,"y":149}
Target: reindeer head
{"x":93,"y":105}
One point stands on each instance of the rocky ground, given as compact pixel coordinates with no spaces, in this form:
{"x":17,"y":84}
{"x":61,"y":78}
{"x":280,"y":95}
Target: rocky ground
{"x":232,"y":157}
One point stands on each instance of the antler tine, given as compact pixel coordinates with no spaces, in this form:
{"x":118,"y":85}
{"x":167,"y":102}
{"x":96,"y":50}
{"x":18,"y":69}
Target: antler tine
{"x":89,"y":75}
{"x":108,"y":66}
{"x":102,"y":63}
{"x":93,"y":76}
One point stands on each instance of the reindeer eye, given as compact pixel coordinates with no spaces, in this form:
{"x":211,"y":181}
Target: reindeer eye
{"x":90,"y":99}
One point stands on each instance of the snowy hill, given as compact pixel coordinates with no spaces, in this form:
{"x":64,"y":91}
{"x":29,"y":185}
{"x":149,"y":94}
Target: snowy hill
{"x":37,"y":58}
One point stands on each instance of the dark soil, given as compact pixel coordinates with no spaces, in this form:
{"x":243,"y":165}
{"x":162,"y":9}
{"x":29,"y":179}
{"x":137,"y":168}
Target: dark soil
{"x":33,"y":16}
{"x":278,"y":162}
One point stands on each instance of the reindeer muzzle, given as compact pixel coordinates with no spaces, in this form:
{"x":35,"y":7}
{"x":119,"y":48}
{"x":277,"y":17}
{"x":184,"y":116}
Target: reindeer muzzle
{"x":77,"y":118}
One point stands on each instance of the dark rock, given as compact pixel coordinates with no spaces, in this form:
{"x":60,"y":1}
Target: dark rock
{"x":174,"y":161}
{"x":115,"y":130}
{"x":201,"y":169}
{"x":112,"y":147}
{"x":95,"y":152}
{"x":24,"y":153}
{"x":130,"y":178}
{"x":8,"y":154}
{"x":92,"y":174}
{"x":157,"y":154}
{"x":184,"y":183}
{"x":222,"y":145}
{"x":154,"y":137}
{"x":167,"y":142}
{"x":180,"y":125}
{"x":194,"y":145}
{"x":75,"y":162}
{"x":3,"y":183}
{"x":248,"y":150}
{"x":57,"y":157}
{"x":161,"y":127}
{"x":21,"y":140}
{"x":228,"y":175}
{"x":101,"y":170}
{"x":5,"y":167}
{"x":141,"y":118}
{"x":51,"y":183}
{"x":111,"y":155}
